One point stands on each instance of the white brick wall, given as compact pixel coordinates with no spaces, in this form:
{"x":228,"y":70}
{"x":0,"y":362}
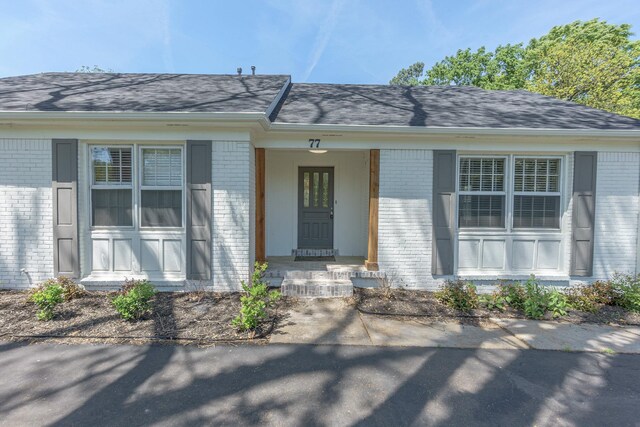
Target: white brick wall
{"x":26,"y":217}
{"x":232,"y":238}
{"x":404,"y":229}
{"x":617,"y":208}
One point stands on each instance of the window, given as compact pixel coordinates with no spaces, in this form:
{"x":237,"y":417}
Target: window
{"x":536,"y":193}
{"x":482,"y":193}
{"x":161,"y":187}
{"x":315,"y":190}
{"x":159,"y":199}
{"x":111,"y":186}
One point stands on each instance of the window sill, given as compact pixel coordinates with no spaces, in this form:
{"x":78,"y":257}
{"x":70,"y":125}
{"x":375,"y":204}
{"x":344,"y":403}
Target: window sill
{"x":503,"y":231}
{"x":513,"y":275}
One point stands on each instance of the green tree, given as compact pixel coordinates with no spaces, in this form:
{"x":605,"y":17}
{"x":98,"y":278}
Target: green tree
{"x":409,"y":76}
{"x":501,"y":69}
{"x":593,"y":63}
{"x":94,"y":69}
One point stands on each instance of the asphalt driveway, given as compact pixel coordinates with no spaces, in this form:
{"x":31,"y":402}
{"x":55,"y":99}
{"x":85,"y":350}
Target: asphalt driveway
{"x":62,"y":385}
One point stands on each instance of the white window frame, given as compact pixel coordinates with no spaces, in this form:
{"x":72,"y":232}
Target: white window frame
{"x":141,"y":187}
{"x":130,"y":186}
{"x":514,"y":193}
{"x":504,"y":192}
{"x":136,"y":186}
{"x":510,"y":193}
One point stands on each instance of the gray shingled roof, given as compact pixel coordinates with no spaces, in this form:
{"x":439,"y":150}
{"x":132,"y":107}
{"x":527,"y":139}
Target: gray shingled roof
{"x":302,"y":103}
{"x":438,"y":106}
{"x":139,"y":92}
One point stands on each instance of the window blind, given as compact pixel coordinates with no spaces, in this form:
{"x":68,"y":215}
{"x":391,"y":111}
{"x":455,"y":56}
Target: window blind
{"x":162,"y":167}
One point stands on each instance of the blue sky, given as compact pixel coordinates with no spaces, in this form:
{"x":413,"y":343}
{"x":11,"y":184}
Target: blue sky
{"x":338,"y":41}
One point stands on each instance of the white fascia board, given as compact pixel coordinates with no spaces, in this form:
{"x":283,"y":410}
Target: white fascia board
{"x":123,"y":116}
{"x":415,"y":130}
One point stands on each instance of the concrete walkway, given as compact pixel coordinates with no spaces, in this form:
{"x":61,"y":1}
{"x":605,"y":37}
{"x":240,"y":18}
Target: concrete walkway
{"x":334,"y":321}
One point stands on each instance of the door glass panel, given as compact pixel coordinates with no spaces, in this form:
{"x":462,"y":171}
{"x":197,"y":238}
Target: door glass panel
{"x":316,"y":188}
{"x":306,"y":189}
{"x":325,"y":190}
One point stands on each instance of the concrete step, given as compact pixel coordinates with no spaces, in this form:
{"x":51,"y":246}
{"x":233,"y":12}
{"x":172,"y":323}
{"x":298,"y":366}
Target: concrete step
{"x":316,"y":288}
{"x":337,"y":274}
{"x":311,"y":275}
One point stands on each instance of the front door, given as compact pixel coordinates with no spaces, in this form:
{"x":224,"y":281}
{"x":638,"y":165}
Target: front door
{"x":315,"y":208}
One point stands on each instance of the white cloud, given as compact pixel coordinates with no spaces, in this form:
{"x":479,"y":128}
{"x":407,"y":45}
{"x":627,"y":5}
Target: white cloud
{"x":167,"y":51}
{"x":322,"y":37}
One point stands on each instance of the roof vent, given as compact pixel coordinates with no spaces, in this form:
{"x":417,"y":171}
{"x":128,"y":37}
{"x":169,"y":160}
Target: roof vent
{"x":253,"y":70}
{"x":239,"y":70}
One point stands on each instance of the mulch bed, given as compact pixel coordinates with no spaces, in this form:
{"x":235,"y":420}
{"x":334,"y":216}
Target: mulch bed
{"x":202,"y":318}
{"x":414,"y":303}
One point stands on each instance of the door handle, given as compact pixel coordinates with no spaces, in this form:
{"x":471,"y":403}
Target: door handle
{"x":331,"y":214}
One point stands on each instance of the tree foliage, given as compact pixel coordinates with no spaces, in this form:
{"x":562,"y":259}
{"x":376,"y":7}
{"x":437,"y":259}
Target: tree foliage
{"x":94,"y":69}
{"x":593,"y":63}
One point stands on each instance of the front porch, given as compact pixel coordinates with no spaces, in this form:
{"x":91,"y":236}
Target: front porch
{"x":317,"y":202}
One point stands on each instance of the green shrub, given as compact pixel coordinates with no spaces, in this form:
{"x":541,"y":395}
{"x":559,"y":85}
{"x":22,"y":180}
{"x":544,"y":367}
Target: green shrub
{"x":47,"y":297}
{"x":601,"y":292}
{"x":257,"y":298}
{"x":535,"y":303}
{"x":70,"y":289}
{"x":514,"y":295}
{"x":579,"y":298}
{"x":588,"y":297}
{"x":557,"y":303}
{"x":135,"y":300}
{"x":626,"y":289}
{"x":494,"y":301}
{"x":460,"y":295}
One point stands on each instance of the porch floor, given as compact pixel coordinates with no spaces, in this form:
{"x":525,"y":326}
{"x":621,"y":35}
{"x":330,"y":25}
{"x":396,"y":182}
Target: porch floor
{"x":341,"y":264}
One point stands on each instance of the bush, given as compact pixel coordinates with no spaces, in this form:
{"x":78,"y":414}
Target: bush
{"x":581,"y":298}
{"x":134,"y":300}
{"x":535,"y":303}
{"x":494,"y":301}
{"x":257,"y":298}
{"x":460,"y":295}
{"x":514,"y":295}
{"x":588,"y":297}
{"x":47,"y":297}
{"x":626,"y":290}
{"x":557,"y":303}
{"x":70,"y":289}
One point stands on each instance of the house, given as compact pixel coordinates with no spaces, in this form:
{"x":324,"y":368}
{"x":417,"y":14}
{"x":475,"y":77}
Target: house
{"x":188,"y":179}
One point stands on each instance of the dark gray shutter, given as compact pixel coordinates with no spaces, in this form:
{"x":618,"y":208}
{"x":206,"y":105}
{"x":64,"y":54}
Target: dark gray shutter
{"x":444,"y":199}
{"x":584,"y":212}
{"x":199,"y":210}
{"x":64,"y":185}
